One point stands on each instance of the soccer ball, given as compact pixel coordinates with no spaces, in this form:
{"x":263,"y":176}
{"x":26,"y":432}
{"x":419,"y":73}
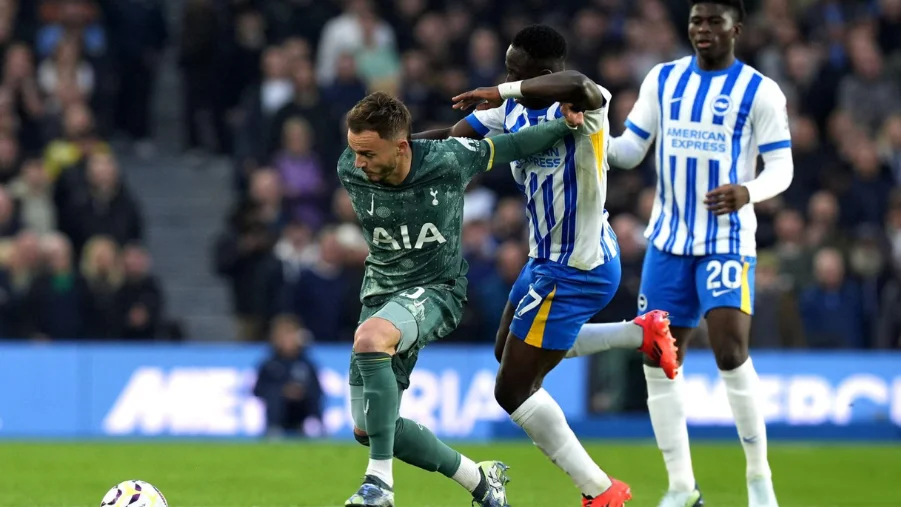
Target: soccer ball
{"x":134,"y":494}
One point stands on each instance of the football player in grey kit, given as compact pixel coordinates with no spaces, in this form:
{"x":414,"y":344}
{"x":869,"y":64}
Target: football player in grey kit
{"x":408,"y":197}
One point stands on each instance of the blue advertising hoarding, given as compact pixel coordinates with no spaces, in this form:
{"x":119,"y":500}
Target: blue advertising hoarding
{"x":92,"y":390}
{"x":204,"y":390}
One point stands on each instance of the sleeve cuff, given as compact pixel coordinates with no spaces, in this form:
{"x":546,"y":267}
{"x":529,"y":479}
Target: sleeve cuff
{"x":477,"y":125}
{"x":644,"y":134}
{"x":491,"y":155}
{"x":778,"y":145}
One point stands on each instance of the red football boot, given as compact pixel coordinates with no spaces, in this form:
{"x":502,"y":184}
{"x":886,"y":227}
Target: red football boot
{"x":616,"y":496}
{"x":658,"y":345}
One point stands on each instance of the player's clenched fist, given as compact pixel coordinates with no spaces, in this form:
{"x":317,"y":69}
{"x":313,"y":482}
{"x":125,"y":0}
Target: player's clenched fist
{"x":573,"y":118}
{"x":727,"y":199}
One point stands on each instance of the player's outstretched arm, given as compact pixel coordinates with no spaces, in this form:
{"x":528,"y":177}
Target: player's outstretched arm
{"x":510,"y":147}
{"x":568,"y":86}
{"x":461,"y":129}
{"x":473,"y":157}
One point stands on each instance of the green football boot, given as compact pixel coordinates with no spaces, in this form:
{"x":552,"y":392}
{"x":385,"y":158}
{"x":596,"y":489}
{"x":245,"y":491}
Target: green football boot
{"x":494,"y":473}
{"x":373,"y":493}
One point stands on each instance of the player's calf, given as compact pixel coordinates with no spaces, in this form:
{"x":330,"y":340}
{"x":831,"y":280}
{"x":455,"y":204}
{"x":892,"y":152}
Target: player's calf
{"x":374,"y":345}
{"x":666,"y":407}
{"x":415,"y":445}
{"x":729,"y":335}
{"x":518,"y":390}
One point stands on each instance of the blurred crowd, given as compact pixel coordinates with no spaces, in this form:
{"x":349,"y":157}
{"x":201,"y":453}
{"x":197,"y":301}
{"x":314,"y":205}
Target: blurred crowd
{"x":267,"y":83}
{"x":830,"y":247}
{"x":72,"y":261}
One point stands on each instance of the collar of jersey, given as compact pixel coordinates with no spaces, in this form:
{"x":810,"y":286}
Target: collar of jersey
{"x":712,"y":73}
{"x":416,"y":157}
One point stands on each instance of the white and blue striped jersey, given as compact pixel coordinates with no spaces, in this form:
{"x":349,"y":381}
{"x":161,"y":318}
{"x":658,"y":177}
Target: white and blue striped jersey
{"x":710,"y":126}
{"x":565,"y":187}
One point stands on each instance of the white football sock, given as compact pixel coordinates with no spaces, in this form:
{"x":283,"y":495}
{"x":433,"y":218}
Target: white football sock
{"x":667,"y":409}
{"x":594,"y":338}
{"x":743,"y":390}
{"x":381,"y":468}
{"x":543,"y":420}
{"x":468,"y":474}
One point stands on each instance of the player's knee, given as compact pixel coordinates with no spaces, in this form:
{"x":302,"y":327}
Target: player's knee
{"x":731,"y":357}
{"x":376,"y":335}
{"x":510,"y":396}
{"x":361,"y":437}
{"x":729,"y":348}
{"x":502,"y":396}
{"x":729,"y":335}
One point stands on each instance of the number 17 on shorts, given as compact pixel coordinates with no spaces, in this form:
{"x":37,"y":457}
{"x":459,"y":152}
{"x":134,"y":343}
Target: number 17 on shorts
{"x":552,"y":304}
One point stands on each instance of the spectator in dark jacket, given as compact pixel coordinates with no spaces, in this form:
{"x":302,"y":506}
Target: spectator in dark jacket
{"x":867,"y":200}
{"x":831,"y":309}
{"x":280,"y":273}
{"x":10,"y":308}
{"x":288,"y":382}
{"x":9,"y":216}
{"x":24,"y":263}
{"x":347,"y":88}
{"x":258,"y":108}
{"x":101,"y":267}
{"x":55,"y":306}
{"x":242,"y":250}
{"x":319,"y":293}
{"x":139,"y":32}
{"x":140,"y":298}
{"x":106,"y":208}
{"x":198,"y":61}
{"x":309,"y":104}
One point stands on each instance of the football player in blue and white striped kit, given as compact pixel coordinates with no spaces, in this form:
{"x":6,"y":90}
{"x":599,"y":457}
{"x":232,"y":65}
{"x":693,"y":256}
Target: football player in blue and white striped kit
{"x":574,"y":267}
{"x":711,"y":116}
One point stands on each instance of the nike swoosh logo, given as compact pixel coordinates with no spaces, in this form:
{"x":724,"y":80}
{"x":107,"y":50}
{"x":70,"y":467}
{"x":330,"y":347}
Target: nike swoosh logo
{"x":749,"y":440}
{"x":677,"y":99}
{"x":417,"y":304}
{"x":718,"y":293}
{"x":371,"y":205}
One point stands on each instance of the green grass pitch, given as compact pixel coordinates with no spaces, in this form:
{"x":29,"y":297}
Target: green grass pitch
{"x":213,"y":474}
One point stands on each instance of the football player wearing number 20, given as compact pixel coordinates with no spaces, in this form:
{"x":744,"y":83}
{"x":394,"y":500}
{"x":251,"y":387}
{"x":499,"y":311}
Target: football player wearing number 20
{"x":711,"y":116}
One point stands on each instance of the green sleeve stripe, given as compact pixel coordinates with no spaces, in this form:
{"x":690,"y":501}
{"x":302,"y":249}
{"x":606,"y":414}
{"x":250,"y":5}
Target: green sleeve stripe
{"x":491,"y":157}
